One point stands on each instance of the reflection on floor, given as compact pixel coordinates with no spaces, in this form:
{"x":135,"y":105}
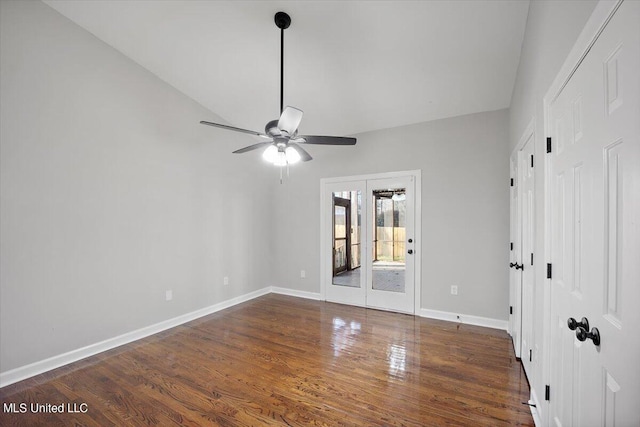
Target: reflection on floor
{"x":387,"y":276}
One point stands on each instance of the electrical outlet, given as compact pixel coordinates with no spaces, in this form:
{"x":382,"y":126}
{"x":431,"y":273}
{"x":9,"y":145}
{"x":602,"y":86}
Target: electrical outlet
{"x":303,"y":274}
{"x":225,"y":281}
{"x":454,"y":290}
{"x":168,"y":295}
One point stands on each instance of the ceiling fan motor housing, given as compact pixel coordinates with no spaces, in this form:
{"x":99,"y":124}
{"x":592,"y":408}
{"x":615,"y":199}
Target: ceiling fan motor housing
{"x":271,"y":128}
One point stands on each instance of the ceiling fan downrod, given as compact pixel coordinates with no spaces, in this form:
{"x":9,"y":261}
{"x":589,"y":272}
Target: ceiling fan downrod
{"x":282,"y":21}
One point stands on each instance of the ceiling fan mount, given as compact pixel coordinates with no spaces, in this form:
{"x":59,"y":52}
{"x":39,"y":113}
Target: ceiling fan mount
{"x":282,"y":20}
{"x":281,"y":136}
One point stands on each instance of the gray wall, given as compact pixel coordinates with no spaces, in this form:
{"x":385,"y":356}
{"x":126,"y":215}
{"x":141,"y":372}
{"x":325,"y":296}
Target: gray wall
{"x":111,"y":193}
{"x":552,"y":29}
{"x":465,"y":208}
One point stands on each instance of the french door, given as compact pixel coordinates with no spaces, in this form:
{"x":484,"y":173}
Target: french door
{"x":369,"y":250}
{"x":594,"y":183}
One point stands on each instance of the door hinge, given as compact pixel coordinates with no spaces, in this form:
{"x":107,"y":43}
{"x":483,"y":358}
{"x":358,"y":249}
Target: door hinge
{"x":548,"y":144}
{"x":532,"y":259}
{"x":547,"y":392}
{"x":548,"y":271}
{"x":510,"y":309}
{"x":512,"y":182}
{"x":532,"y":160}
{"x":511,"y":245}
{"x":530,"y":355}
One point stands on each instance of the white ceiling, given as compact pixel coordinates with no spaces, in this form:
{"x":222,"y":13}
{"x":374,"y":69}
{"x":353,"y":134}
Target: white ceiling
{"x":352,"y":66}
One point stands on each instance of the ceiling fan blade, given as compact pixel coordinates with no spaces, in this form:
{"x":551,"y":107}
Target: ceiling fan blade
{"x":328,"y":140}
{"x":304,"y":156}
{"x":218,"y":125}
{"x":252,"y":147}
{"x":290,"y":119}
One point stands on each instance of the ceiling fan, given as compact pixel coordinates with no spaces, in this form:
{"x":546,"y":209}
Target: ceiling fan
{"x":281,"y":136}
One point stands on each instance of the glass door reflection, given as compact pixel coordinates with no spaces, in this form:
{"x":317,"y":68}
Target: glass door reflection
{"x":347,"y":221}
{"x":389,"y":237}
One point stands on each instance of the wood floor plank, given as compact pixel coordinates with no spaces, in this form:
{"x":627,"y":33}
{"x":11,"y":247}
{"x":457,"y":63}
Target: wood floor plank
{"x":279,"y":360}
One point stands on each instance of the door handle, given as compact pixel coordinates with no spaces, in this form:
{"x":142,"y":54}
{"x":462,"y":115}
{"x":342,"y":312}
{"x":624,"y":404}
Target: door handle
{"x":511,"y":265}
{"x":519,"y":267}
{"x":573,"y":324}
{"x":594,"y":335}
{"x":410,"y":251}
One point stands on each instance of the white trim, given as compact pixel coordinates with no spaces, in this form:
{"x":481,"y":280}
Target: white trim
{"x":529,"y":130}
{"x":36,"y":368}
{"x":296,"y":293}
{"x":382,"y":175}
{"x":464,"y":318}
{"x":534,"y":404}
{"x":602,"y":14}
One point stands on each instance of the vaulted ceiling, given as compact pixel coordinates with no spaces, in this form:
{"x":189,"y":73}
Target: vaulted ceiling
{"x":352,"y":66}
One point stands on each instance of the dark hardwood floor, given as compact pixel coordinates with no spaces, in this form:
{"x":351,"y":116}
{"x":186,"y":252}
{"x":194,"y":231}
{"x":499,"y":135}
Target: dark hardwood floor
{"x":279,"y":360}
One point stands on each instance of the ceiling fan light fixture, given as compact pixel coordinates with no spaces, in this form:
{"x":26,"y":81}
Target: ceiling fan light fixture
{"x":270,"y":154}
{"x":281,"y":159}
{"x":292,"y":155}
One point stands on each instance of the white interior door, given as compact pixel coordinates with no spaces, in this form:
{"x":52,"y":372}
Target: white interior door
{"x":594,"y":176}
{"x":515,"y":277}
{"x":368,"y":242}
{"x":526,"y":196}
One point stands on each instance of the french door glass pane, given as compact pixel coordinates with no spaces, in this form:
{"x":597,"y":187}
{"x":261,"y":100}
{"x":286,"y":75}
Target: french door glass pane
{"x":389,"y":237}
{"x":347,"y":222}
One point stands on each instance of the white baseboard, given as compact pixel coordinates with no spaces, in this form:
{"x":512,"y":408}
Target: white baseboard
{"x":36,"y":368}
{"x":296,"y":293}
{"x":464,"y":318}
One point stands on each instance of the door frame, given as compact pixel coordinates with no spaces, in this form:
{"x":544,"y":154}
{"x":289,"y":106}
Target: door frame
{"x":326,"y":221}
{"x":600,"y":17}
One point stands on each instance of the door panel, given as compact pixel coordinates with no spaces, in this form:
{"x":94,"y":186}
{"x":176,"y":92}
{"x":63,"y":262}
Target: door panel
{"x":515,"y":277}
{"x":594,"y":172}
{"x":390,"y":282}
{"x":527,"y":232}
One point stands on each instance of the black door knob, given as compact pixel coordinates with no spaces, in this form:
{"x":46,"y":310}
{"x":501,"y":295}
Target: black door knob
{"x":410,"y":251}
{"x":519,"y":266}
{"x":410,"y":240}
{"x":512,"y":265}
{"x":573,"y":324}
{"x":594,"y":335}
